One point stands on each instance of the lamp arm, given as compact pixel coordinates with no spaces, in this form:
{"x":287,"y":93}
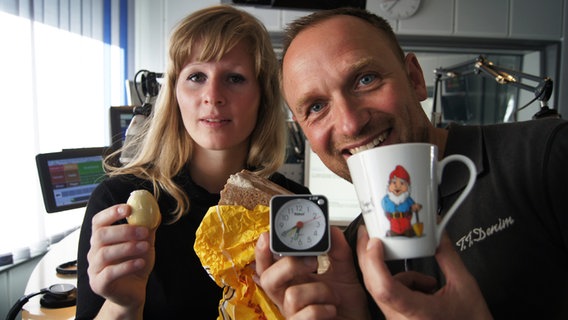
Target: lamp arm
{"x":542,"y":91}
{"x":480,"y":65}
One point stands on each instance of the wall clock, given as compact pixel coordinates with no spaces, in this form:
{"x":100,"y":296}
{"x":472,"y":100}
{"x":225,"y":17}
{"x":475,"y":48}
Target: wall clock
{"x":398,"y":9}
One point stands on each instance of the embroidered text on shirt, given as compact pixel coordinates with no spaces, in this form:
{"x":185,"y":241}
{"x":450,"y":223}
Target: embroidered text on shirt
{"x":479,"y":234}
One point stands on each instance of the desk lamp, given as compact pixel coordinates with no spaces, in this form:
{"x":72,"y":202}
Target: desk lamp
{"x":482,"y":66}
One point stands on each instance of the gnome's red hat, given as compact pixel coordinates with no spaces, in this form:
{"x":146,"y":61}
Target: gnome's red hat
{"x":400,"y":173}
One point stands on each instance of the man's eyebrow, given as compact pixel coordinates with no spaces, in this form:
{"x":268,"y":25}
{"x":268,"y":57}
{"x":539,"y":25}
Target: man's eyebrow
{"x":360,"y":64}
{"x":300,"y":103}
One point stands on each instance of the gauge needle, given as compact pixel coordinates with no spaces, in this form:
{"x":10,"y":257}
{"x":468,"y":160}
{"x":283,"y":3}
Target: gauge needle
{"x":293,"y":229}
{"x":307,"y":221}
{"x":297,"y":234}
{"x":299,"y":225}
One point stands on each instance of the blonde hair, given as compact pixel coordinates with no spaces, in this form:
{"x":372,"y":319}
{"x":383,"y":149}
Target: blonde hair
{"x":166,"y":147}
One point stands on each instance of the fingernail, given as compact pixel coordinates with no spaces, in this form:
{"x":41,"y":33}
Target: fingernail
{"x":256,"y":279}
{"x":261,"y":242}
{"x":361,"y":231}
{"x":121,"y":210}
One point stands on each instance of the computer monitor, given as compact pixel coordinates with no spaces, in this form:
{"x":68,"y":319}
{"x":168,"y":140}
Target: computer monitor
{"x":120,"y":118}
{"x":68,"y":178}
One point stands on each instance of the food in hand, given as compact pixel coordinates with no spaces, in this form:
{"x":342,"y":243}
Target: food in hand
{"x":225,"y":244}
{"x":145,"y":209}
{"x":247,"y":189}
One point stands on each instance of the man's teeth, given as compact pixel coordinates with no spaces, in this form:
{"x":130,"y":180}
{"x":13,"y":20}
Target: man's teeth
{"x":370,"y":145}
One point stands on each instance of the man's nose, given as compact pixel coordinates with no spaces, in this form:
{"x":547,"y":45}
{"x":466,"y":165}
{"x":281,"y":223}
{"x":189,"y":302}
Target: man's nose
{"x":349,"y":117}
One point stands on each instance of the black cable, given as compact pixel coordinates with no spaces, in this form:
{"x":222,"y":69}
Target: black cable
{"x":67,"y":268}
{"x":530,"y":102}
{"x":136,"y":84}
{"x":21,"y":302}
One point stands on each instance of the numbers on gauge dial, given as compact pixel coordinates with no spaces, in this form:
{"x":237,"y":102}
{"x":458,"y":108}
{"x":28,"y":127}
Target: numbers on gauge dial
{"x":300,"y":224}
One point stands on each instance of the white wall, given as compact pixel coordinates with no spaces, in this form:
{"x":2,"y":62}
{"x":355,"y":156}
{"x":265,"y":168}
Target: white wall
{"x":153,"y":22}
{"x":512,"y":20}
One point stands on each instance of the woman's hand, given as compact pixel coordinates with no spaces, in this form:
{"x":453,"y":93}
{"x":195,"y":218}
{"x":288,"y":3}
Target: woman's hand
{"x":121,"y":258}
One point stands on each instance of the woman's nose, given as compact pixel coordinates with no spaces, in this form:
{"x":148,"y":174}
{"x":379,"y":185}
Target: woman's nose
{"x":213,"y":94}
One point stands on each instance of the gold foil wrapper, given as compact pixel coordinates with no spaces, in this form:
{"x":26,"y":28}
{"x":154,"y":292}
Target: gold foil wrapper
{"x":225,"y":244}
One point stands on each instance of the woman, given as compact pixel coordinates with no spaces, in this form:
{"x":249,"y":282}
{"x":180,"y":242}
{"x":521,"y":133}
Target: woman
{"x":219,"y":110}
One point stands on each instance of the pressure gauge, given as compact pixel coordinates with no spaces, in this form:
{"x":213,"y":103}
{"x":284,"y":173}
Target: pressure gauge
{"x":299,"y":225}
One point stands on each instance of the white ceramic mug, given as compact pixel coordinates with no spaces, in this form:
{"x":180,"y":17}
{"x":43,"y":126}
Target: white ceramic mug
{"x":397,"y":189}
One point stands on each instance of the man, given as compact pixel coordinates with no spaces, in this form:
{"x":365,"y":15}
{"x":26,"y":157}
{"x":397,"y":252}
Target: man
{"x":350,"y":87}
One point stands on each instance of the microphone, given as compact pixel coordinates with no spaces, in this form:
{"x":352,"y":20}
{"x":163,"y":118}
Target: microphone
{"x":133,"y":136}
{"x":150,"y":88}
{"x":150,"y":84}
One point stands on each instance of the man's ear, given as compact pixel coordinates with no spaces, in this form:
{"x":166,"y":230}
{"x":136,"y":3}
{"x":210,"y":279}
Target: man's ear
{"x":416,"y":76}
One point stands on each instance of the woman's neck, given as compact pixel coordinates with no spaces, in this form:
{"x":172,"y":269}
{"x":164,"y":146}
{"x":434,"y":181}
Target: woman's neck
{"x":210,"y":169}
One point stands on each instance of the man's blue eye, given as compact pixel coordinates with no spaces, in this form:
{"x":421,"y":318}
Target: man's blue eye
{"x":316,"y":107}
{"x":367,"y":79}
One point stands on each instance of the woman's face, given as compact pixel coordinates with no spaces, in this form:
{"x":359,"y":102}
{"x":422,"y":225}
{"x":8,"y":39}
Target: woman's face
{"x":219,"y":100}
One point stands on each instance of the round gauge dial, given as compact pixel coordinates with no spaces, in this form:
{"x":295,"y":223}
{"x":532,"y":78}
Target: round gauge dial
{"x":299,"y":224}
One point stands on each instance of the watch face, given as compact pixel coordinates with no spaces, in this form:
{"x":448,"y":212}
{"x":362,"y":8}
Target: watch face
{"x":299,"y":225}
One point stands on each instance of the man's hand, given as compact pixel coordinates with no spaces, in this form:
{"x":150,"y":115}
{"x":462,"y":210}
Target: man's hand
{"x":408,"y":295}
{"x":294,"y":285}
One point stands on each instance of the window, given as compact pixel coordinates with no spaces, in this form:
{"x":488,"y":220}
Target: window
{"x":60,"y":73}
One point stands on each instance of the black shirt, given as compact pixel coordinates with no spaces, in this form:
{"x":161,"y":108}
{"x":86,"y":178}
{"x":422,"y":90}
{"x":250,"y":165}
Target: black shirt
{"x":178,"y":285}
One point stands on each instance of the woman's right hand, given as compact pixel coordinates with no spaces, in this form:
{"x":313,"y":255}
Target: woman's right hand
{"x":121,"y":258}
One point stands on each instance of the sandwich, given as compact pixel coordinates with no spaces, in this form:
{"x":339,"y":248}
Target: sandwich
{"x":247,"y":189}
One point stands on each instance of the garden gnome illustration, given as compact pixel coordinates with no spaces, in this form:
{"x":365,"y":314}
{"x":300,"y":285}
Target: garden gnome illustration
{"x":399,"y":205}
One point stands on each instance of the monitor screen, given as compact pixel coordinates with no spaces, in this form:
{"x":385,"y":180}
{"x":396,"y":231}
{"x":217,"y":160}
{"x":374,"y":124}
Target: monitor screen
{"x":119,"y":121}
{"x":67,"y":178}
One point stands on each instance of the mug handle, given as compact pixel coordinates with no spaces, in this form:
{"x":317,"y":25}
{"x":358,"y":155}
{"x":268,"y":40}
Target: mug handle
{"x":472,"y":176}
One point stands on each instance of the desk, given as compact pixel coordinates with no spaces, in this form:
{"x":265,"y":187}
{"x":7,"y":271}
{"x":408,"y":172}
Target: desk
{"x":44,"y":275}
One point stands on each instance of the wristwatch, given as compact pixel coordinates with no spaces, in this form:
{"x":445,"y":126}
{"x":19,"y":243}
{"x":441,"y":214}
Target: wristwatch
{"x":299,"y":225}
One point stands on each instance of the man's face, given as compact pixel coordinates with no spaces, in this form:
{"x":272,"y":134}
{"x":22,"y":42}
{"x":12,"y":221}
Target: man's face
{"x":349,"y":91}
